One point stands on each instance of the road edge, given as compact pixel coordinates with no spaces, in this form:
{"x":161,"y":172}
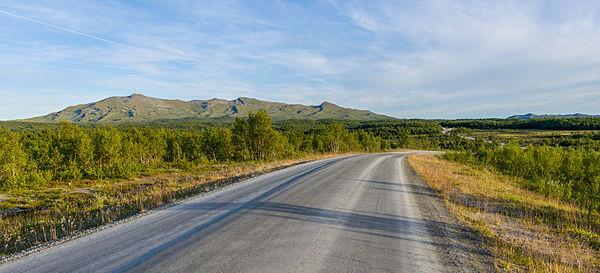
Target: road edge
{"x":462,"y":248}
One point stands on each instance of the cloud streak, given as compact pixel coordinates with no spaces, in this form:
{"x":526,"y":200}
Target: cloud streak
{"x":61,"y":28}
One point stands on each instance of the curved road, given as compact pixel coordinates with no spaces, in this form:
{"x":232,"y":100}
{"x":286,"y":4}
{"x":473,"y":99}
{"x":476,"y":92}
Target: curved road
{"x":362,"y":213}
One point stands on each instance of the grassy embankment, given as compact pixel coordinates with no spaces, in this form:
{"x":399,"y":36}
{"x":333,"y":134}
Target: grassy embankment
{"x":34,"y":216}
{"x":526,"y":231}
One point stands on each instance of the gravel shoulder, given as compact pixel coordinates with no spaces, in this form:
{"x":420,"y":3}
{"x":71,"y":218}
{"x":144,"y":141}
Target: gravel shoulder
{"x":461,"y":248}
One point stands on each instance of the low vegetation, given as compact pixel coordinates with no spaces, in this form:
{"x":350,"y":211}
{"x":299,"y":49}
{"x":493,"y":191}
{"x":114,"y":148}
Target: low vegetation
{"x":542,"y":196}
{"x":527,"y":231}
{"x":571,"y":174}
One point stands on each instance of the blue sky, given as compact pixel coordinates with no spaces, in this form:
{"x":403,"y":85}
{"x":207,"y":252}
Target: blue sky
{"x":425,"y":59}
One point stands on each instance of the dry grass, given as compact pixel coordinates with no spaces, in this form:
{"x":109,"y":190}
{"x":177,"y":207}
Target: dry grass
{"x":32,"y":217}
{"x":527,"y":231}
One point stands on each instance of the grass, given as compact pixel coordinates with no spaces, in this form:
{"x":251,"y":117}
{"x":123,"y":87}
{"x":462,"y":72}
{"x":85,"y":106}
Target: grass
{"x":35,"y":216}
{"x":526,"y":231}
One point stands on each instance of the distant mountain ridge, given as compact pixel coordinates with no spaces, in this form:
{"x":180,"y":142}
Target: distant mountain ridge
{"x":534,"y":116}
{"x":139,"y":108}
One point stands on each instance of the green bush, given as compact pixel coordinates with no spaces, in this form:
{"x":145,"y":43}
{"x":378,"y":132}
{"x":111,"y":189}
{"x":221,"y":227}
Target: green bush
{"x":31,"y":159}
{"x":568,"y":173}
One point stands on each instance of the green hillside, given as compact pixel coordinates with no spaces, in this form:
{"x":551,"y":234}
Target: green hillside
{"x":139,"y":108}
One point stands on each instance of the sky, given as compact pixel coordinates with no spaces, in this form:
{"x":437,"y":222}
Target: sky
{"x":406,"y":59}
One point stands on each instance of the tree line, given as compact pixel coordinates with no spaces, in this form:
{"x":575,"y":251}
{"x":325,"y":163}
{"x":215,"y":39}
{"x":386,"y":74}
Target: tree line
{"x":579,"y":123}
{"x":33,"y":158}
{"x":411,"y":126}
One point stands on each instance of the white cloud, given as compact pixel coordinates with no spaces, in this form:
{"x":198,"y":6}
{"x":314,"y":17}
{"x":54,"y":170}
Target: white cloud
{"x":406,"y":58}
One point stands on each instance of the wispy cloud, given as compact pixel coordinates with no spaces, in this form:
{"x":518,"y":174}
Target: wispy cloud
{"x":405,"y":58}
{"x":61,"y":28}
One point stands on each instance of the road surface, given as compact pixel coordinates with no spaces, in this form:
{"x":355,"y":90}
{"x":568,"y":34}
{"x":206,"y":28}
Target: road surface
{"x":361,"y":213}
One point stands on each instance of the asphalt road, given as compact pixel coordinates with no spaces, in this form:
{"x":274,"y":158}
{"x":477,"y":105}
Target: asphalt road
{"x":363,"y":213}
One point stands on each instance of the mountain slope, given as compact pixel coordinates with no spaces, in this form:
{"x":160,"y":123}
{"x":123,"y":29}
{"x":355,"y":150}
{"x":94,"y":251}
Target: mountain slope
{"x":534,"y":116}
{"x":139,"y":108}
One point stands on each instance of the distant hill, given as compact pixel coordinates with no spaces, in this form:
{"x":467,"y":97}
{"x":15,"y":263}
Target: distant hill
{"x":534,"y":116}
{"x":139,"y":108}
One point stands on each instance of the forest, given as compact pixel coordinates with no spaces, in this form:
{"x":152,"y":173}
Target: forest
{"x":32,"y":154}
{"x":33,"y":158}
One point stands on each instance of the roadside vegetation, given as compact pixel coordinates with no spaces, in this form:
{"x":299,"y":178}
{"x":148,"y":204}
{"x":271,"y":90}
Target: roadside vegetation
{"x":570,"y":174}
{"x":533,"y":193}
{"x":526,"y":230}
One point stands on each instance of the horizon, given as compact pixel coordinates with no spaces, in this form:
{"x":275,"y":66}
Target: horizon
{"x":414,"y":59}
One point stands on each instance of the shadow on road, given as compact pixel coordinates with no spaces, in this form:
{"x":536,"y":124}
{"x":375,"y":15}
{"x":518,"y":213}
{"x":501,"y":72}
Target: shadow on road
{"x":392,"y":227}
{"x":389,"y":226}
{"x":402,"y":187}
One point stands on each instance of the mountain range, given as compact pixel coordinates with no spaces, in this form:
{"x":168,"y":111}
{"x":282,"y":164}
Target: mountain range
{"x":138,"y":108}
{"x":535,"y":116}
